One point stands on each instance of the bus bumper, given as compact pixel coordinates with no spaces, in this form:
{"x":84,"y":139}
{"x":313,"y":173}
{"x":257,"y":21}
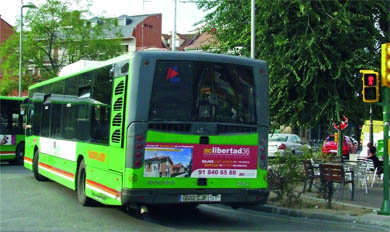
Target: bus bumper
{"x":175,"y":196}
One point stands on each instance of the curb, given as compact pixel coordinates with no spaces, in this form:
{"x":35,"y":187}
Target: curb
{"x":335,"y":202}
{"x":372,"y":218}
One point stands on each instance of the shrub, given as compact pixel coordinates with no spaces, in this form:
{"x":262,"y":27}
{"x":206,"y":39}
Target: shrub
{"x":284,"y":174}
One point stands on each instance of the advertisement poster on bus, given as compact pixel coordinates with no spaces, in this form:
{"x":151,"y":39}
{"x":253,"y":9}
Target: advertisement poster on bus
{"x":200,"y":161}
{"x":7,"y":140}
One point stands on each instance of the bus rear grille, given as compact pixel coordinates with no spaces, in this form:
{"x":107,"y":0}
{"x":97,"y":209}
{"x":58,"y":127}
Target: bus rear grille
{"x":116,"y":136}
{"x":120,"y":88}
{"x":117,"y":120}
{"x":235,"y":129}
{"x":118,"y":104}
{"x":182,"y":127}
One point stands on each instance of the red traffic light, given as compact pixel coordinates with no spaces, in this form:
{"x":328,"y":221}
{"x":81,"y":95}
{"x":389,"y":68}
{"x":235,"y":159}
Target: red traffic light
{"x":370,"y":86}
{"x":369,"y":80}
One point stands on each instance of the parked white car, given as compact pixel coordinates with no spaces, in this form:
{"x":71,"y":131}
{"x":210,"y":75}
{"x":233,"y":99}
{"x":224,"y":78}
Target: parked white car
{"x":283,"y":143}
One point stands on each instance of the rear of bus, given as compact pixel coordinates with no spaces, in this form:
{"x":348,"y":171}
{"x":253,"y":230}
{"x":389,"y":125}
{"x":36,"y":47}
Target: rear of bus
{"x":196,"y":129}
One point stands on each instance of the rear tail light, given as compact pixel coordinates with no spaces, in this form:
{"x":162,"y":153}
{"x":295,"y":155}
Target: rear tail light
{"x":139,"y":138}
{"x":138,"y":163}
{"x":263,"y":154}
{"x":282,"y":146}
{"x":138,"y":146}
{"x":138,"y":157}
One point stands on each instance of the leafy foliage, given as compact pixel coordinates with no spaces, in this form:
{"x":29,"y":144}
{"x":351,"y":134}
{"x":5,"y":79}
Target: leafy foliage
{"x":54,"y":36}
{"x":314,"y":49}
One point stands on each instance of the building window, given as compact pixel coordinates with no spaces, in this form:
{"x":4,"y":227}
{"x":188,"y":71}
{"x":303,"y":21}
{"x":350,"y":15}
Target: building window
{"x":148,"y":26}
{"x":125,"y":48}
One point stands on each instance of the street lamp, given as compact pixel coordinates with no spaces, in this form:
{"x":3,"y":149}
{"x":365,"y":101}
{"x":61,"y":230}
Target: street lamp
{"x":27,"y":5}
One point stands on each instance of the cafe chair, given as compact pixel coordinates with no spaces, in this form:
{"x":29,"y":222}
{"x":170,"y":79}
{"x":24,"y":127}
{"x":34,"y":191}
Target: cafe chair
{"x":373,"y":171}
{"x":376,"y":173}
{"x":361,"y":174}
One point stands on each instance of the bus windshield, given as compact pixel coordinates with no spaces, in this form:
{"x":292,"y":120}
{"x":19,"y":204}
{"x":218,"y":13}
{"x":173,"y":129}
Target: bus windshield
{"x":11,"y":121}
{"x":192,"y":91}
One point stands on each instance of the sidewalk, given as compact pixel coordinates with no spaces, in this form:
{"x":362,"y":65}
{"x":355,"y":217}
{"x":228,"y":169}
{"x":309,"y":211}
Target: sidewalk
{"x":363,"y":210}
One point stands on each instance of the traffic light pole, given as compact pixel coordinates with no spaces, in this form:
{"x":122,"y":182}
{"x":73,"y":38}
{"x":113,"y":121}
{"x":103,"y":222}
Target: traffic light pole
{"x":340,"y":144}
{"x":385,"y":208}
{"x":371,"y":140}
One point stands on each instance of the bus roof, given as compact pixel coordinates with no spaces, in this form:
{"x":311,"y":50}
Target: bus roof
{"x":12,"y":98}
{"x":199,"y":56}
{"x":157,"y":54}
{"x":100,"y":64}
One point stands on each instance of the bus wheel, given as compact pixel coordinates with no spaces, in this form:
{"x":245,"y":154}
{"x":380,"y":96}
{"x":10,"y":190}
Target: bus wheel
{"x":37,"y":176}
{"x":19,"y":154}
{"x":81,"y":180}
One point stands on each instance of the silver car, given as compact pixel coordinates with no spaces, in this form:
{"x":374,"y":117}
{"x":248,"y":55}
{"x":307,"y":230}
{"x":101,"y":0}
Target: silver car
{"x":284,"y":143}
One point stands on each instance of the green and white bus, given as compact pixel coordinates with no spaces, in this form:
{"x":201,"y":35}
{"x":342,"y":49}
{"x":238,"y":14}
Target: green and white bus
{"x":11,"y":129}
{"x":154,"y":127}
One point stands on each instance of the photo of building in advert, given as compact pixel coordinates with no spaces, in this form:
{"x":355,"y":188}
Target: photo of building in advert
{"x":167,"y":161}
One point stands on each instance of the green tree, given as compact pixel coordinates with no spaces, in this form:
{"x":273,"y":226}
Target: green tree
{"x":53,"y":36}
{"x":314,"y":50}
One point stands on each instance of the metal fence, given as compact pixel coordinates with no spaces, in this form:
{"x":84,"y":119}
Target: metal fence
{"x":315,"y":144}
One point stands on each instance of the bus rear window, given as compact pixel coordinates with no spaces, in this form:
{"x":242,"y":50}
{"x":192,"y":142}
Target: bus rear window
{"x":194,"y":91}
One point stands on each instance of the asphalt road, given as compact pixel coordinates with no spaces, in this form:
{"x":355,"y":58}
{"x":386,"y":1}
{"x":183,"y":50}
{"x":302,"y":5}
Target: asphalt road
{"x":28,"y":205}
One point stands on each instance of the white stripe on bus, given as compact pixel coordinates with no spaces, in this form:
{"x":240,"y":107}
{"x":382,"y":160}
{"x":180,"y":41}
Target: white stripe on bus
{"x":1,"y":154}
{"x":103,"y":192}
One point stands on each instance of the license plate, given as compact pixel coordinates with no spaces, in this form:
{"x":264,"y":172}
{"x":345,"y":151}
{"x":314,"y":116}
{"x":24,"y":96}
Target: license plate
{"x":333,"y":151}
{"x":200,"y":198}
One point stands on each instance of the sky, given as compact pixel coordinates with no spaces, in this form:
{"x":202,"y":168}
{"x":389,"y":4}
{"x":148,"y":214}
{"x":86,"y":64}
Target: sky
{"x":187,"y":12}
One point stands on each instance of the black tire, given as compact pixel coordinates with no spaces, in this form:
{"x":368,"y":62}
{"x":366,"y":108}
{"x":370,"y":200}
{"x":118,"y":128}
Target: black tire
{"x":19,"y":154}
{"x":37,"y":176}
{"x":80,"y":187}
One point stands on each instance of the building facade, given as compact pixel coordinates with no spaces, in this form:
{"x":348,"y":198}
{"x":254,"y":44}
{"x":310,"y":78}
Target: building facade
{"x":6,"y":30}
{"x":137,"y":32}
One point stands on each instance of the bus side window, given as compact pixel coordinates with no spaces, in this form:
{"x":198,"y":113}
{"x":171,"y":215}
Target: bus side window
{"x":4,"y":124}
{"x":46,"y":113}
{"x":100,"y":124}
{"x":36,"y":111}
{"x":83,"y":122}
{"x":16,"y":123}
{"x":68,"y":120}
{"x":69,"y":108}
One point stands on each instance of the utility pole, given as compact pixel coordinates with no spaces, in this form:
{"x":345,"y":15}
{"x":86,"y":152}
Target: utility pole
{"x":143,"y":25}
{"x":173,"y":45}
{"x":27,"y":5}
{"x":253,"y":29}
{"x":385,"y":208}
{"x":371,"y":139}
{"x":385,"y":79}
{"x":20,"y":49}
